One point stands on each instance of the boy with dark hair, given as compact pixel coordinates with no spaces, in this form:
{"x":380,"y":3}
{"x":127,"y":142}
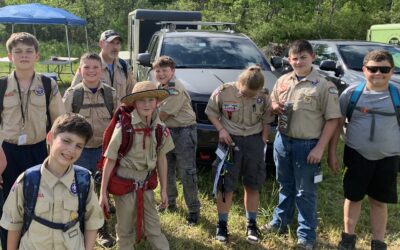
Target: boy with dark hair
{"x":177,"y":113}
{"x":372,"y":148}
{"x":53,"y":217}
{"x":241,"y":112}
{"x":31,"y":102}
{"x":308,"y":109}
{"x":150,"y":143}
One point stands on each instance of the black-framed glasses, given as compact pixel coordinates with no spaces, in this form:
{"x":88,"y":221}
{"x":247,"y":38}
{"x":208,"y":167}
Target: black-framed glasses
{"x":382,"y":69}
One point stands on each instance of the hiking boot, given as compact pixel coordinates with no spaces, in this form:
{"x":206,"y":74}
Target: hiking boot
{"x":253,"y":233}
{"x":192,"y":218}
{"x":270,"y":228}
{"x":222,"y":232}
{"x":348,"y":242}
{"x":104,"y":238}
{"x":378,"y":245}
{"x":304,"y":246}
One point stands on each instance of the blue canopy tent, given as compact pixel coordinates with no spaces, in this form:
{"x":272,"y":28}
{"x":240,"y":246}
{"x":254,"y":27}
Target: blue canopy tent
{"x":41,"y":14}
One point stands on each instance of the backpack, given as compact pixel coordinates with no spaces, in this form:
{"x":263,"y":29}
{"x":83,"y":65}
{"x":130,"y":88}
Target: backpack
{"x":355,"y":96}
{"x":46,"y":81}
{"x":31,"y":186}
{"x":77,"y":99}
{"x":124,"y":66}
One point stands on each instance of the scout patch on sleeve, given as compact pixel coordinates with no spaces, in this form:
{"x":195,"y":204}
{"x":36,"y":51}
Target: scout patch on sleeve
{"x":260,"y":100}
{"x":333,"y":90}
{"x":39,"y":91}
{"x":173,"y":91}
{"x":73,"y":189}
{"x":282,"y":87}
{"x":230,"y":107}
{"x":171,"y":84}
{"x":166,"y":132}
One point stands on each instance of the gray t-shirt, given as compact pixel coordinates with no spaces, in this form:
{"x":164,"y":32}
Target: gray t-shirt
{"x":386,"y":139}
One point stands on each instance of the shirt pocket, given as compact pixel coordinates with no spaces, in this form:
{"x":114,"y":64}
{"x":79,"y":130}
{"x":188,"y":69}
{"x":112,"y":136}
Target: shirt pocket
{"x":308,"y":100}
{"x":257,"y":111}
{"x":73,"y":236}
{"x":38,"y":110}
{"x":70,"y":209}
{"x":42,"y":210}
{"x":85,"y":112}
{"x":10,"y":101}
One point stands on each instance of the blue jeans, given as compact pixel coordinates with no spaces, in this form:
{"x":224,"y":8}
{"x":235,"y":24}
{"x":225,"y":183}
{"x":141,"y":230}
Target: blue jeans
{"x":89,"y":158}
{"x":297,"y":188}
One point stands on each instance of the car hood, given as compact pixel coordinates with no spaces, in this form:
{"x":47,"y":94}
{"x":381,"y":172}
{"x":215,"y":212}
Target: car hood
{"x":205,"y":81}
{"x":355,"y":77}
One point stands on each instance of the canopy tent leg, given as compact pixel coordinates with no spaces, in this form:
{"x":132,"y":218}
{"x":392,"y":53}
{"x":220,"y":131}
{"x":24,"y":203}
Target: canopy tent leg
{"x":87,"y":40}
{"x":69,"y":52}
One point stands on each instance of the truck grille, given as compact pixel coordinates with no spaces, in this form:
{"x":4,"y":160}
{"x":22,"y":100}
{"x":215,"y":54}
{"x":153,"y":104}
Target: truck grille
{"x":199,"y":108}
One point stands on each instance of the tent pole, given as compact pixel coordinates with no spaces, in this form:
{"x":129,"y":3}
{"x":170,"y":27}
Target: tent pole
{"x":69,"y":53}
{"x":87,"y":40}
{"x":12,"y":28}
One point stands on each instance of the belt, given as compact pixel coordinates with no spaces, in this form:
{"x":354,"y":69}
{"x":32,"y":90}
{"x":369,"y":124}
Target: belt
{"x":182,"y":128}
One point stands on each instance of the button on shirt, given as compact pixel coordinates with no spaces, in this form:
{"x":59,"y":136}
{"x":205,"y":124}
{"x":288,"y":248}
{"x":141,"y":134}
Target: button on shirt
{"x":98,"y":116}
{"x":122,"y":84}
{"x":315,"y":100}
{"x":34,"y":112}
{"x":240,"y":115}
{"x":178,"y":105}
{"x":57,"y":201}
{"x":139,"y":160}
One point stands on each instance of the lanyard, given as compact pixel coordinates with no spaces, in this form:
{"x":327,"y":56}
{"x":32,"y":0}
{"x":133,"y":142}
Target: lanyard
{"x":21,"y":99}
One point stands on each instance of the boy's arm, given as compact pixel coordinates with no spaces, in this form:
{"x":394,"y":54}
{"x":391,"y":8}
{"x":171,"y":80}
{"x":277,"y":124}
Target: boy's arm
{"x":333,"y":162}
{"x":13,"y":238}
{"x":222,"y":132}
{"x":162,"y":172}
{"x":314,"y":157}
{"x":3,"y":164}
{"x":90,"y":238}
{"x":103,"y":199}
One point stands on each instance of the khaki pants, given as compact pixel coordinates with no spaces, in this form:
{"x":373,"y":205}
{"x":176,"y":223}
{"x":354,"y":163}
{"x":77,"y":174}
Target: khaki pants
{"x":126,"y":222}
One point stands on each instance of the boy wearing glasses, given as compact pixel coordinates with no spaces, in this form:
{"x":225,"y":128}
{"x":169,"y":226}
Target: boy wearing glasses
{"x":372,"y":149}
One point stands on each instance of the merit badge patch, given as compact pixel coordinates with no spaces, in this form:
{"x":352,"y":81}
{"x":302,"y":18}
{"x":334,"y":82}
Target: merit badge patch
{"x":333,"y":90}
{"x":39,"y":91}
{"x":73,"y":189}
{"x":166,"y":132}
{"x":230,"y":107}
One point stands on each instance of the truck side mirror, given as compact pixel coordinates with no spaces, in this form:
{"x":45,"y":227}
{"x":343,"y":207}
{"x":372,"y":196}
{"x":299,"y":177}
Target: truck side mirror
{"x":328,"y":65}
{"x":144,"y":59}
{"x":277,"y":62}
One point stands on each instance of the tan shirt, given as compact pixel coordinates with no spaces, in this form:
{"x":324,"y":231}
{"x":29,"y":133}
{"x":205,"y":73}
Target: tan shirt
{"x":238,"y":114}
{"x":139,"y":161}
{"x":34,"y":106}
{"x":98,"y":117}
{"x":315,"y":100}
{"x":57,"y":202}
{"x":178,"y":105}
{"x":123,"y":85}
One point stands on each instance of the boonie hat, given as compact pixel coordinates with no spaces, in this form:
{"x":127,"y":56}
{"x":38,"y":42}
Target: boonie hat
{"x":109,"y":35}
{"x":145,"y":89}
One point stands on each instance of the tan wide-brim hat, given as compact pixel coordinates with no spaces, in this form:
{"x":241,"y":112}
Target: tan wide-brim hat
{"x":142,"y":90}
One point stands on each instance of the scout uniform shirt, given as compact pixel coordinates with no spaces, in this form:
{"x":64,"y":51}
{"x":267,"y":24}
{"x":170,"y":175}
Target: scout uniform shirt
{"x":118,"y":80}
{"x":98,"y":116}
{"x":178,"y":105}
{"x":142,"y":157}
{"x":33,"y":105}
{"x":240,"y":115}
{"x":315,"y":100}
{"x":57,"y":201}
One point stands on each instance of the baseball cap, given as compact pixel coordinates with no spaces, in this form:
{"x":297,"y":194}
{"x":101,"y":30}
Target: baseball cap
{"x":109,"y":35}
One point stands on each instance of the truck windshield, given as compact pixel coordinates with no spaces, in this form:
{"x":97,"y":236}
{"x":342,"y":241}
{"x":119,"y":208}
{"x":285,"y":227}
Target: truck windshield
{"x":213,"y":52}
{"x":353,"y":55}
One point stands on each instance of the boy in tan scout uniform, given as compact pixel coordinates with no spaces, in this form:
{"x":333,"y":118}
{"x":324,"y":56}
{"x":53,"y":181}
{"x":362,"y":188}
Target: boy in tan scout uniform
{"x":23,"y":118}
{"x":57,"y":199}
{"x":177,"y":113}
{"x":113,"y":72}
{"x":240,"y":111}
{"x":308,"y":109}
{"x":136,"y":165}
{"x":93,"y":108}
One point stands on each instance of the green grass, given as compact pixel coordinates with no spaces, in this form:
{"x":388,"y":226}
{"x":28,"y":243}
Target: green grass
{"x":330,"y":218}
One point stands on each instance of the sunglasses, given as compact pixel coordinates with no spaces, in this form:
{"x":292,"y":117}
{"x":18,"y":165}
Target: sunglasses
{"x":383,"y":69}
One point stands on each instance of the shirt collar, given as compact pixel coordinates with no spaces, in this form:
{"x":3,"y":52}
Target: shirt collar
{"x":67,"y":179}
{"x":311,"y":77}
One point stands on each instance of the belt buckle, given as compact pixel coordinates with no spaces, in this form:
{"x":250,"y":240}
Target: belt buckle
{"x":139,"y":184}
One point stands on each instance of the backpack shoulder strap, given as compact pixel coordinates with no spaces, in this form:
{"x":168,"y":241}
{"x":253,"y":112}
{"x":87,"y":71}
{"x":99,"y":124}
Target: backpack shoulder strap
{"x":82,"y":180}
{"x":31,"y":186}
{"x":107,"y":93}
{"x":3,"y":88}
{"x":124,"y":66}
{"x":394,"y":94}
{"x":77,"y":98}
{"x":159,"y":134}
{"x":355,"y":96}
{"x":46,"y":81}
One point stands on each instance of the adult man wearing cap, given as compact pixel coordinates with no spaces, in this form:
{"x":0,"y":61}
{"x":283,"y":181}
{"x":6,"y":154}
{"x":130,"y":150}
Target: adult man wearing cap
{"x":116,"y":73}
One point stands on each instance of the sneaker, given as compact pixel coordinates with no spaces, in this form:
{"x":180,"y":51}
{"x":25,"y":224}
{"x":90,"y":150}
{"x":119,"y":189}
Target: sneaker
{"x":304,"y":246}
{"x":192,"y":218}
{"x":104,"y":238}
{"x":253,"y":233}
{"x":222,"y":232}
{"x":378,"y":245}
{"x":348,"y":242}
{"x":270,"y":228}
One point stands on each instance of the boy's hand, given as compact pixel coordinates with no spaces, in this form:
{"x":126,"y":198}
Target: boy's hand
{"x":225,"y":137}
{"x":164,"y":198}
{"x":333,"y":163}
{"x":278,"y":107}
{"x":1,"y":182}
{"x":315,"y":155}
{"x":103,"y":202}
